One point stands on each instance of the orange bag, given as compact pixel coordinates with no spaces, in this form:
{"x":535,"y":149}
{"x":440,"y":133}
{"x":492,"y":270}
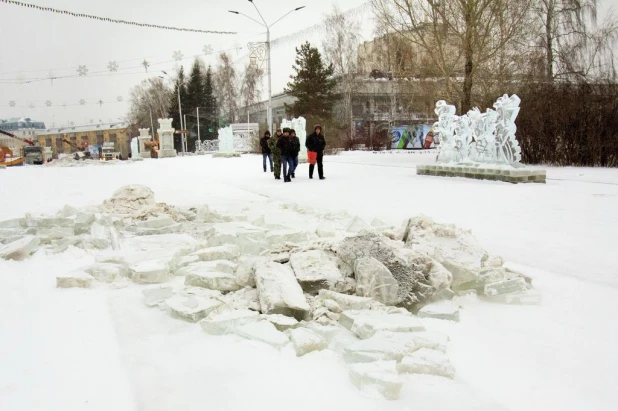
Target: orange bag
{"x":312,"y":157}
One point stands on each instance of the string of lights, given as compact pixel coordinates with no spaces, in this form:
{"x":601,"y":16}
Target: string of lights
{"x":110,"y":20}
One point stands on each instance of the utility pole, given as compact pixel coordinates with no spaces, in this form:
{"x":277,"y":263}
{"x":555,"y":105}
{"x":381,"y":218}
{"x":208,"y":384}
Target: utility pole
{"x":184,"y":137}
{"x":269,"y":110}
{"x":198,"y":126}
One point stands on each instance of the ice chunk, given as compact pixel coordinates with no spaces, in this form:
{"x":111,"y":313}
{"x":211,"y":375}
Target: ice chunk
{"x":347,"y":302}
{"x":380,"y":375}
{"x":288,"y":236}
{"x":444,"y":310}
{"x":226,"y":321}
{"x":326,"y":229}
{"x":100,"y":235}
{"x":246,"y":298}
{"x":106,"y":272}
{"x":314,"y":270}
{"x":515,"y":285}
{"x":279,"y":292}
{"x":55,"y":233}
{"x":156,"y":222}
{"x":426,"y":361}
{"x":530,"y":297}
{"x":224,"y":252}
{"x":49,"y":222}
{"x":212,"y":280}
{"x":380,"y":347}
{"x":249,"y":238}
{"x":357,"y":225}
{"x":183,"y":262}
{"x":332,"y":306}
{"x":19,"y":249}
{"x":191,"y":307}
{"x":222,"y":266}
{"x":157,"y":295}
{"x":374,"y":280}
{"x":74,"y":279}
{"x":150,"y":272}
{"x":245,"y":274}
{"x":366,"y":323}
{"x":306,"y":341}
{"x":281,"y":322}
{"x":263,"y":331}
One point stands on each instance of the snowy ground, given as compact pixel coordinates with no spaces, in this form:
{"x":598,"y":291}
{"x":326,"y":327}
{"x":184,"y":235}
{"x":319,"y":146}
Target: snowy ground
{"x":103,"y":350}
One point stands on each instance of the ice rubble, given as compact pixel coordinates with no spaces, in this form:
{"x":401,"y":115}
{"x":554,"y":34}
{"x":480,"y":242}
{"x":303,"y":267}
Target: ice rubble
{"x":344,"y":285}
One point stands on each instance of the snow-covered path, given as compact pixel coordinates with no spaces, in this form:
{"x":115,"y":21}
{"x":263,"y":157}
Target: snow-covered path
{"x":98,"y":350}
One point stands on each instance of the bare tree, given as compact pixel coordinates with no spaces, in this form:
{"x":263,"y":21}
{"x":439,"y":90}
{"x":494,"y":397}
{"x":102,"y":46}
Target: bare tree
{"x":574,"y":46}
{"x":250,"y":88}
{"x":343,"y":35}
{"x":457,"y":36}
{"x":226,"y":89}
{"x":151,"y":95}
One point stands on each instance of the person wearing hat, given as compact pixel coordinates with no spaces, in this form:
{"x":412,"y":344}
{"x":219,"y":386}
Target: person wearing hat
{"x":266,"y":151}
{"x":276,"y":153}
{"x":286,"y":148}
{"x":295,"y":150}
{"x":316,"y":143}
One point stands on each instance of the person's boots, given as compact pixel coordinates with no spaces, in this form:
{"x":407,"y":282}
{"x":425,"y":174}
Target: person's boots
{"x":293,"y":176}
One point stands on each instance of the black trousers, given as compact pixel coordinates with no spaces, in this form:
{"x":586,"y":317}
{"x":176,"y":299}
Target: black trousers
{"x":320,"y":156}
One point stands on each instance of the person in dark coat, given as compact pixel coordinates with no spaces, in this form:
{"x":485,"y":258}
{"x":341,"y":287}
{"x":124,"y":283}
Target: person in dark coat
{"x":286,"y":148}
{"x":272,"y":144}
{"x":266,"y":151}
{"x":295,"y":151}
{"x":316,"y":143}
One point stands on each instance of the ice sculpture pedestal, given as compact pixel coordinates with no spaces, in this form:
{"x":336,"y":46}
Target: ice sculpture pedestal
{"x":481,"y":172}
{"x":166,"y":138}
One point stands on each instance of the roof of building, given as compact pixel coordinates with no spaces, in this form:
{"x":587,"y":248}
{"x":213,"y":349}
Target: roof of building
{"x":85,"y":128}
{"x":20,"y":123}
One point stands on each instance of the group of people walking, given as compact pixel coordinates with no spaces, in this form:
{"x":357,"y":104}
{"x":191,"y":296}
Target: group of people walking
{"x":283,"y":149}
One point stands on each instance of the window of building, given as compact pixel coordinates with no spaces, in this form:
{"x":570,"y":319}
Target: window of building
{"x":84,"y":138}
{"x":48,"y":142}
{"x":112,"y":138}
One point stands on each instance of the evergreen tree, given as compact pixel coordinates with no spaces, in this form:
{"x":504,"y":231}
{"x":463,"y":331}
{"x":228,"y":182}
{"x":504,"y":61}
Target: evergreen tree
{"x":208,"y":108}
{"x":194,"y":89}
{"x":312,"y":85}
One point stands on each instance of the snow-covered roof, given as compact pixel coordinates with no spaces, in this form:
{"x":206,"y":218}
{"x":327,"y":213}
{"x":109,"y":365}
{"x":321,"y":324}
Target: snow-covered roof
{"x":85,"y":128}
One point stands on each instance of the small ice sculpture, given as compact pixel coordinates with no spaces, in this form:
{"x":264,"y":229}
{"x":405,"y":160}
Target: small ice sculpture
{"x":226,"y":140}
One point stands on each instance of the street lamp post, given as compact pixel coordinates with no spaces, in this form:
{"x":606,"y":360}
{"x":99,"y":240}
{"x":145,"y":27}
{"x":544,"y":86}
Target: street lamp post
{"x":269,"y":110}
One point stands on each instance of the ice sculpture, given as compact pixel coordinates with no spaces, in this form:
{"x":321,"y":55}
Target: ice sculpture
{"x":487,"y":138}
{"x":166,"y":138}
{"x":226,"y":140}
{"x":300,"y":126}
{"x":134,"y":148}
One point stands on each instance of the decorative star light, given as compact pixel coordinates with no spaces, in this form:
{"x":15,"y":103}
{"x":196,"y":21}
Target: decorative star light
{"x":146,"y":64}
{"x":207,"y":49}
{"x":119,"y":99}
{"x":238,"y":47}
{"x":11,"y":103}
{"x":100,"y":103}
{"x":31,"y":106}
{"x":48,"y":103}
{"x":51,"y":77}
{"x":82,"y":70}
{"x":178,"y":55}
{"x":82,"y":102}
{"x":112,"y":66}
{"x":20,"y":79}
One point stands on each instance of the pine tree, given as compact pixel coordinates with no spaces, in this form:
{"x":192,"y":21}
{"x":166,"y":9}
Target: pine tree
{"x":194,"y":89}
{"x":312,"y":85}
{"x":208,"y":108}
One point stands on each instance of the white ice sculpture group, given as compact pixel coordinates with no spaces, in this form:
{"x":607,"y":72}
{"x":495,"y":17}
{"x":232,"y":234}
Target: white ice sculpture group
{"x":486,"y":138}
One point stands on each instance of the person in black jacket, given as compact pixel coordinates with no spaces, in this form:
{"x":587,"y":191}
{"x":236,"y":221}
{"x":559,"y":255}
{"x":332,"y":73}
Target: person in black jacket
{"x":295,"y":151}
{"x":266,"y":151}
{"x":316,"y":143}
{"x":285,"y":145}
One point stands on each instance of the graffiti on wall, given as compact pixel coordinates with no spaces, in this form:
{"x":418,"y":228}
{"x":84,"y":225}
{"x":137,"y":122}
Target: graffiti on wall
{"x":414,"y":136}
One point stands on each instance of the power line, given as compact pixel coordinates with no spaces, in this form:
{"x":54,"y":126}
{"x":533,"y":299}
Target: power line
{"x":108,"y":20}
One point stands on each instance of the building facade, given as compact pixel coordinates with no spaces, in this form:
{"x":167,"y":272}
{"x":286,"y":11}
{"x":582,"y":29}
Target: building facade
{"x":89,"y":137}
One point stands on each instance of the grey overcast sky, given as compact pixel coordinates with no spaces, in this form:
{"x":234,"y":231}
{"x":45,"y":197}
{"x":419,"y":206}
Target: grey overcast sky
{"x":38,"y":45}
